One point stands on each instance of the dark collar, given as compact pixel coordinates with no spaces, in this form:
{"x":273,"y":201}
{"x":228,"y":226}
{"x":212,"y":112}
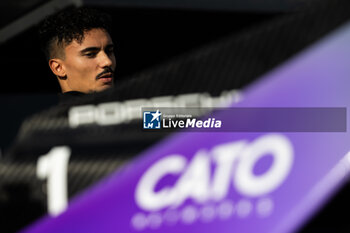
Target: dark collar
{"x":68,"y":97}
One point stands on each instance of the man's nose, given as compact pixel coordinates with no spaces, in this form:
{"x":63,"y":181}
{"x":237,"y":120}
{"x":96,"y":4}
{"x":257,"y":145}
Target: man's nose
{"x":105,"y":61}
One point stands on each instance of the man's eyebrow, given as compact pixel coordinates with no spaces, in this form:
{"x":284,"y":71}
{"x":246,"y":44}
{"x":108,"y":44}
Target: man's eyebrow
{"x":94,"y":49}
{"x":89,"y":49}
{"x":110,"y":46}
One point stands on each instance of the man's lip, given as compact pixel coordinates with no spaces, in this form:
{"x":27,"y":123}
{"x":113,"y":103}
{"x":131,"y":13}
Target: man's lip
{"x":106,"y":80}
{"x":107,"y":75}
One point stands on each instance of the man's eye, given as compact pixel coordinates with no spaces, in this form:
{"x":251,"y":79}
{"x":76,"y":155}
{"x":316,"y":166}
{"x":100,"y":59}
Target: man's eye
{"x":110,"y":51}
{"x":90,"y":55}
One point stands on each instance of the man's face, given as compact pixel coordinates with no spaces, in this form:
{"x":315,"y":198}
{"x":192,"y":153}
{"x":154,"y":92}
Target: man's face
{"x":90,"y":65}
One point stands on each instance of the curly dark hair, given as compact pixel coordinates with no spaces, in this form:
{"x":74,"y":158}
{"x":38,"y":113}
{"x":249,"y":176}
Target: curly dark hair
{"x":59,"y":30}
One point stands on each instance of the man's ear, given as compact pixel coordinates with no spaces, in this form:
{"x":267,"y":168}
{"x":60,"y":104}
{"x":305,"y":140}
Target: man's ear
{"x":56,"y":65}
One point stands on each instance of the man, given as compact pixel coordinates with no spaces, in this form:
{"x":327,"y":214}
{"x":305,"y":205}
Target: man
{"x":79,"y":50}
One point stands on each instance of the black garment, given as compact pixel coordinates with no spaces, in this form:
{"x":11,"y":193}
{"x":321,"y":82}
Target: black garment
{"x":69,"y":97}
